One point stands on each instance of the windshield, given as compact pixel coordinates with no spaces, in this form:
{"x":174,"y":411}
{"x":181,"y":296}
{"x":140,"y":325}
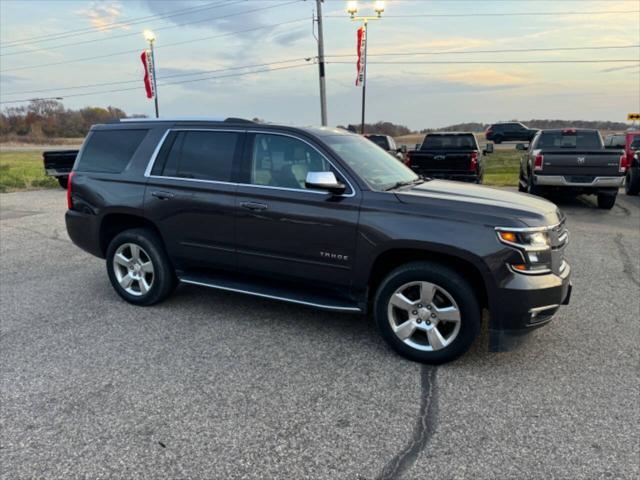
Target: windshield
{"x":445,"y":142}
{"x":380,"y":170}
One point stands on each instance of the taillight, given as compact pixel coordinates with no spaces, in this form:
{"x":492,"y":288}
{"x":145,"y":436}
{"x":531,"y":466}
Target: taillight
{"x":624,"y":163}
{"x":537,"y":163}
{"x":69,"y":182}
{"x":473,"y":165}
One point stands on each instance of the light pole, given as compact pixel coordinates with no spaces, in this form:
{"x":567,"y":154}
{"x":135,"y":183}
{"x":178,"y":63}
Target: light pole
{"x":323,"y":91}
{"x":151,"y":38}
{"x":352,"y":9}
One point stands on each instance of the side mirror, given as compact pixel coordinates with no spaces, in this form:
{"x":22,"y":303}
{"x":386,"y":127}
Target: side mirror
{"x":521,"y":147}
{"x":324,"y":181}
{"x":488,"y":148}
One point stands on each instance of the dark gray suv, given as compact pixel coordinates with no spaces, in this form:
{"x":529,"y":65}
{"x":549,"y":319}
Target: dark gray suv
{"x":318,"y":217}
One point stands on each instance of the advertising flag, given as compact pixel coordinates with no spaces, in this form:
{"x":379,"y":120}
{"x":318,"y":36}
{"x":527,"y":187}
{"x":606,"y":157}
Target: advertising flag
{"x":148,"y":73}
{"x":362,"y":38}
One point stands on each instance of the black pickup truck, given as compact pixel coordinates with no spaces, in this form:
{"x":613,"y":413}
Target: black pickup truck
{"x":572,"y":160}
{"x":318,"y":217}
{"x":450,"y":156}
{"x":58,"y":164}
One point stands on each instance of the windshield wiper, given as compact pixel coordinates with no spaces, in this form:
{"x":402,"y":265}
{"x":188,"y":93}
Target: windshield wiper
{"x":405,"y":184}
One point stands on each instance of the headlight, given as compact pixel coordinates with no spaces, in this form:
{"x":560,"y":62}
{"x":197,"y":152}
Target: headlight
{"x":534,"y":247}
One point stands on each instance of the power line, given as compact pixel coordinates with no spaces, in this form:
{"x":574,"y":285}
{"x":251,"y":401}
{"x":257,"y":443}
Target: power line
{"x":159,"y":47}
{"x":160,"y":28}
{"x":499,"y":14}
{"x":125,"y":23}
{"x":510,"y":50}
{"x":175,"y":75}
{"x":163,"y":84}
{"x":489,"y":62}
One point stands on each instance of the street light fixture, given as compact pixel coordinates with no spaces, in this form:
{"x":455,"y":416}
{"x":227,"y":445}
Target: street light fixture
{"x":150,"y":37}
{"x":352,"y":10}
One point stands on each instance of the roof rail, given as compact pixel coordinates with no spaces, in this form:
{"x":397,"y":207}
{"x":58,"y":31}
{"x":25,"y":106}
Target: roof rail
{"x":188,"y":119}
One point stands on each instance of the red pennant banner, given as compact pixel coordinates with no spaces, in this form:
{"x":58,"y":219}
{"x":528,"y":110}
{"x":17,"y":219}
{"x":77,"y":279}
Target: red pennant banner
{"x":148,"y":72}
{"x":362,"y":38}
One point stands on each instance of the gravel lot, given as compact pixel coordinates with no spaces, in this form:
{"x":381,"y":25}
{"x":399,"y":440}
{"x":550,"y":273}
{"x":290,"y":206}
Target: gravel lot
{"x":219,"y":385}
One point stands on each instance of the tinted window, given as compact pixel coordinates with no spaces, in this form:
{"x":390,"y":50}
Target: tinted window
{"x":571,"y":139}
{"x":635,"y":143}
{"x":110,"y":151}
{"x":281,"y":161}
{"x":201,"y":155}
{"x":441,"y":142}
{"x":379,"y":140}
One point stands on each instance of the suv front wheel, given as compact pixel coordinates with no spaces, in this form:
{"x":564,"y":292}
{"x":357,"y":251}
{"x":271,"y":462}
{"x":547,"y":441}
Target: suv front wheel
{"x":138,"y":267}
{"x":427,"y":312}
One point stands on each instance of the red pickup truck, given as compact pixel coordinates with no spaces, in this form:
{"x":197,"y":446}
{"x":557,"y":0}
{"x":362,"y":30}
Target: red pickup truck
{"x":630,"y":143}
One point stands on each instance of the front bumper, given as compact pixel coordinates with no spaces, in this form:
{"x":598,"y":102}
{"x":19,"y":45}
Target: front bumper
{"x":567,"y":181}
{"x":528,"y":302}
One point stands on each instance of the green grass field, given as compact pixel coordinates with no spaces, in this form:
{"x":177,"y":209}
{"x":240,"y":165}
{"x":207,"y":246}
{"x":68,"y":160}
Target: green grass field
{"x":23,"y":171}
{"x":501,"y":168}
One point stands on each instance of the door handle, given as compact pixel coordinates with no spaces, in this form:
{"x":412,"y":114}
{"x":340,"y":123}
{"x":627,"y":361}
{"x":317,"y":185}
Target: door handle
{"x":253,"y":206}
{"x":163,"y":195}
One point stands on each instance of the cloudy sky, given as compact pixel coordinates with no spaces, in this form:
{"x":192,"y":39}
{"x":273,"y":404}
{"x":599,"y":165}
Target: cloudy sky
{"x":246,"y":58}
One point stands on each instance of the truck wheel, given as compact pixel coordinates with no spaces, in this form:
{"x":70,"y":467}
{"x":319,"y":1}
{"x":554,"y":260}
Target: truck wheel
{"x":632,"y":181}
{"x":139,"y":268}
{"x":532,"y":188}
{"x":427,"y":312}
{"x":522,"y":185}
{"x":497,"y":139}
{"x":606,"y":201}
{"x":63,"y":181}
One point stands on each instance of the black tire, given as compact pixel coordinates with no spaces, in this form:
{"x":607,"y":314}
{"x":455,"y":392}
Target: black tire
{"x":606,"y":201}
{"x":63,"y":181}
{"x":632,"y":181}
{"x":163,"y":279}
{"x":497,"y":139}
{"x":532,"y":188}
{"x":455,"y":285}
{"x":522,"y":186}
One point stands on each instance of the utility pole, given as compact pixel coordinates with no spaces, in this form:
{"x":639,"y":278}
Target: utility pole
{"x":323,"y":90}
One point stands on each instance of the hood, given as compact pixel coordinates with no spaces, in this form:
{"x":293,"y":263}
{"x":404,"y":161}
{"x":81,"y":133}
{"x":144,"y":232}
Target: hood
{"x":484,"y":204}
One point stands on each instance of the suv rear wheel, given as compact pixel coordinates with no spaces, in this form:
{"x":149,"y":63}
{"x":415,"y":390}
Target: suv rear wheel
{"x":427,"y":312}
{"x":138,"y":267}
{"x":497,"y":139}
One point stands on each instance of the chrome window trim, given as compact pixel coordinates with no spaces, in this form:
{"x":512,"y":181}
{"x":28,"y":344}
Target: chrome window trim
{"x":156,"y":152}
{"x":306,"y":190}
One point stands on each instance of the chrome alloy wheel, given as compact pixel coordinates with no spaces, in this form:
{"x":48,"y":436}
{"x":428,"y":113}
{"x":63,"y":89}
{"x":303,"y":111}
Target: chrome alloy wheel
{"x":133,"y":268}
{"x":424,"y":316}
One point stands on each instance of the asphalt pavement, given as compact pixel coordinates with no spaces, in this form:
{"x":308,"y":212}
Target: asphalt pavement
{"x":215,"y":385}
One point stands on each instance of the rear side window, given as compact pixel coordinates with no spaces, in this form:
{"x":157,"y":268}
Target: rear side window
{"x":441,"y":142}
{"x":110,"y":151}
{"x":200,"y":155}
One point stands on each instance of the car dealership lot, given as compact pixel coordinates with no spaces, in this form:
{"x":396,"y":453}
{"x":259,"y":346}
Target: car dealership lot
{"x":219,"y":385}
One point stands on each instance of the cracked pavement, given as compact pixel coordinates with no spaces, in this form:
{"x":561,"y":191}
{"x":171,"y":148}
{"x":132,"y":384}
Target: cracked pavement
{"x":218,"y":385}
